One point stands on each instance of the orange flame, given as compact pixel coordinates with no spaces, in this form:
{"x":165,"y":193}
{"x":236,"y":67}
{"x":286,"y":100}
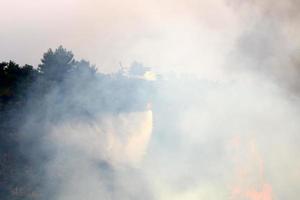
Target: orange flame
{"x":250,"y":183}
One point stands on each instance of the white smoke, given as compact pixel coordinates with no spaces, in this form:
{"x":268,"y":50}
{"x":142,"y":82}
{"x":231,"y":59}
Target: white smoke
{"x":87,"y":152}
{"x":233,"y":134}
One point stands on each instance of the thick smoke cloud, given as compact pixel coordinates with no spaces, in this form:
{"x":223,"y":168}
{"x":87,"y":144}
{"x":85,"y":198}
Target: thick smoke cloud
{"x":269,"y":41}
{"x":229,"y":140}
{"x":229,"y":131}
{"x":236,"y":138}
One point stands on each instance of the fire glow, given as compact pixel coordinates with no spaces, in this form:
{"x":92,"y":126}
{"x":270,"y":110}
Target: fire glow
{"x":249,"y":179}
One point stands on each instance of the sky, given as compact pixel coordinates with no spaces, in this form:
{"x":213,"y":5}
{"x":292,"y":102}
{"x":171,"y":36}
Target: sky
{"x":192,"y":36}
{"x":160,"y":34}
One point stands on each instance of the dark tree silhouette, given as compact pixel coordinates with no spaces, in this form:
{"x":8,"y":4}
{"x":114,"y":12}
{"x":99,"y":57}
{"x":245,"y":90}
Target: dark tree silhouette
{"x":15,"y":81}
{"x":55,"y":65}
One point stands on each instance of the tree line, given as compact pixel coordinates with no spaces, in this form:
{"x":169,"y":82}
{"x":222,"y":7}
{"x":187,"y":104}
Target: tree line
{"x":59,"y":89}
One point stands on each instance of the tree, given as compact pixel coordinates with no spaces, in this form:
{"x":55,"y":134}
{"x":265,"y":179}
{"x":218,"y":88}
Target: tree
{"x":84,"y":68}
{"x":15,"y":81}
{"x":60,"y":90}
{"x":137,"y":69}
{"x":55,"y":65}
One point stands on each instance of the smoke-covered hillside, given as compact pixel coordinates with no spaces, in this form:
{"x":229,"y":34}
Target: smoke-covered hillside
{"x":60,"y":92}
{"x":69,"y":132}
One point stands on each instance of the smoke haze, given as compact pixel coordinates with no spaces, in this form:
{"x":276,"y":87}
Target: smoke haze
{"x":222,"y":120}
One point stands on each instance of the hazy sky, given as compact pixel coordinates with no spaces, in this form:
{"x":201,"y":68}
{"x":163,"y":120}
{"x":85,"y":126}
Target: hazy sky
{"x":161,"y":34}
{"x":181,"y":35}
